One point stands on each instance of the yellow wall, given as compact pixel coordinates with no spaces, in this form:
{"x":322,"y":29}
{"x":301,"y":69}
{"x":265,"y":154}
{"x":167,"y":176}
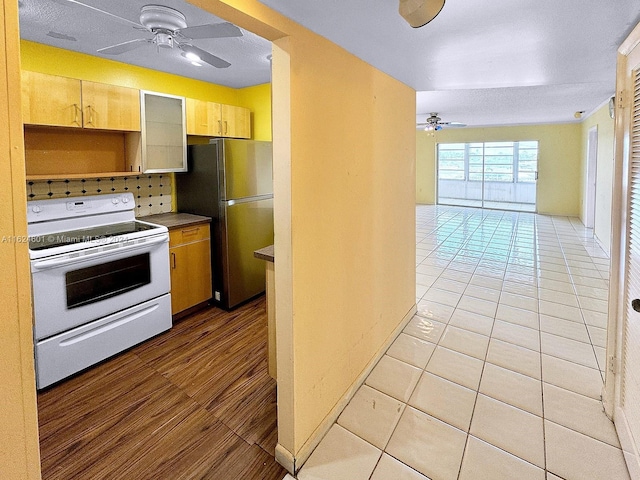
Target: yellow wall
{"x":352,"y":218}
{"x":425,"y":168}
{"x":604,"y":174}
{"x":559,"y":164}
{"x":56,"y":61}
{"x":19,"y":454}
{"x":258,"y":99}
{"x":344,"y":147}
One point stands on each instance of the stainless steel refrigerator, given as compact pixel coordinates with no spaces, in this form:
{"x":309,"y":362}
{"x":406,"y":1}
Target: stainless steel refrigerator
{"x":231,"y":181}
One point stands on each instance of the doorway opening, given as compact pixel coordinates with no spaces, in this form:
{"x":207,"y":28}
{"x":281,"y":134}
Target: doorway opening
{"x":495,"y":175}
{"x":592,"y":162}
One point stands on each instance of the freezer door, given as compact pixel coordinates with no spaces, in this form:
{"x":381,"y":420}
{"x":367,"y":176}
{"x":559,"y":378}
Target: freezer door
{"x":197,"y":190}
{"x":247,"y":170}
{"x":249,"y":227}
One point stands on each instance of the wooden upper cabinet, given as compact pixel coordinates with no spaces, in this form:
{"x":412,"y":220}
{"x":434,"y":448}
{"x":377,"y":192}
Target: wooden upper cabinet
{"x":51,"y":100}
{"x":203,"y":118}
{"x":236,"y":122}
{"x":217,"y":120}
{"x":110,"y":107}
{"x":68,"y":102}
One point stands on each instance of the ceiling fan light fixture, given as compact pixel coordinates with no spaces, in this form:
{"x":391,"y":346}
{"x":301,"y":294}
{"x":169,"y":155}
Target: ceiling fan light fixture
{"x":192,"y":56}
{"x":164,"y":40}
{"x":420,"y":12}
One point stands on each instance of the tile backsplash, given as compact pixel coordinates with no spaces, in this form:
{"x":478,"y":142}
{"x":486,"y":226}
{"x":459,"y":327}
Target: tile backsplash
{"x":152,"y":192}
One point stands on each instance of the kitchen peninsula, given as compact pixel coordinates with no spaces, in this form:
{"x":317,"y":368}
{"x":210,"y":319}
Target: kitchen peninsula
{"x":267,"y":254}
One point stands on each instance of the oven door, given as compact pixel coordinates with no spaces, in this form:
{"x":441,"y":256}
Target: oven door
{"x":72,"y":290}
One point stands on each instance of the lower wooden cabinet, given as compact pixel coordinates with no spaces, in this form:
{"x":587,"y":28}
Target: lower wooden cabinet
{"x":190,"y":264}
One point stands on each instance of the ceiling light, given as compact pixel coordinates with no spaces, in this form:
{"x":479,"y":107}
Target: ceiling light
{"x":192,"y":56}
{"x":420,"y":12}
{"x":196,"y":64}
{"x":578,"y":114}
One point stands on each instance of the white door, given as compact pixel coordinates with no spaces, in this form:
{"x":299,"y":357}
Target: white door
{"x":626,"y":260}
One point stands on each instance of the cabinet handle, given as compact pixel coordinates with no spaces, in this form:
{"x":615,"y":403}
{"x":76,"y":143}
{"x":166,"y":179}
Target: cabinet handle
{"x":90,"y":121}
{"x":191,"y":231}
{"x":76,"y":108}
{"x":226,"y":127}
{"x":173,"y":260}
{"x":219,"y":127}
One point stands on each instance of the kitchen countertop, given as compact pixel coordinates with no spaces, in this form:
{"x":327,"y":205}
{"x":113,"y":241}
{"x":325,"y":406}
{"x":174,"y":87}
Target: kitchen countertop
{"x":175,"y":219}
{"x":265,"y":253}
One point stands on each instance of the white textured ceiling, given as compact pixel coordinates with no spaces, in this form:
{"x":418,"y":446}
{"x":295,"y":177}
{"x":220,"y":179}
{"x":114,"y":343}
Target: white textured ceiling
{"x":93,"y":30}
{"x":480,"y":62}
{"x":485,"y":62}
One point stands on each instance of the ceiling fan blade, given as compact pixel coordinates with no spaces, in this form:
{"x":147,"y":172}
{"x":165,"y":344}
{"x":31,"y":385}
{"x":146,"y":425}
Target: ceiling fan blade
{"x":61,"y":36}
{"x":212,"y":30}
{"x":95,"y":9}
{"x":124,"y":46}
{"x":457,"y":124}
{"x":205,"y":56}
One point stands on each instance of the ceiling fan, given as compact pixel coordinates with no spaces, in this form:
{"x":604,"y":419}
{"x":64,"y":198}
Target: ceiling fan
{"x":434,"y":122}
{"x":170,"y":30}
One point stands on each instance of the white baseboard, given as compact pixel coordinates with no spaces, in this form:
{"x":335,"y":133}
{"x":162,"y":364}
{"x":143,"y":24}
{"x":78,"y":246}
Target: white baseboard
{"x":601,"y":245}
{"x":285,"y":458}
{"x":631,"y":455}
{"x":294,"y":464}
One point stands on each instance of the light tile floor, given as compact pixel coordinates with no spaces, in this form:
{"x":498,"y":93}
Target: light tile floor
{"x":499,"y":374}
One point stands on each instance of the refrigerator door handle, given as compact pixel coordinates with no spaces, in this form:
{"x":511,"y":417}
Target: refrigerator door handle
{"x":257,"y":198}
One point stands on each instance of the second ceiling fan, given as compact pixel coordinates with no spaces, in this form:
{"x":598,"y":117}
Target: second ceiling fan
{"x":434,"y":123}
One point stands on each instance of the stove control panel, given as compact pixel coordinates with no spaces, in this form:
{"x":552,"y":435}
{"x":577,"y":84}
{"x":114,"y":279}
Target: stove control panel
{"x":75,"y":207}
{"x":79,"y":205}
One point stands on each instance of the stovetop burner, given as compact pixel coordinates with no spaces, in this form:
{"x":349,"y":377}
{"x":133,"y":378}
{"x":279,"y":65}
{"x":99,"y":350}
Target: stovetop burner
{"x":108,"y":233}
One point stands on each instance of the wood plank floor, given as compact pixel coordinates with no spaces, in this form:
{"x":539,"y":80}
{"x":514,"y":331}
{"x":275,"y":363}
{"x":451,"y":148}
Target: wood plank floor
{"x":193,"y":403}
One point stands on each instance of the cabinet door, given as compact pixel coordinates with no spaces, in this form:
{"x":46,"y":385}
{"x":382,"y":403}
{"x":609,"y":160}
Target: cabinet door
{"x":50,"y":100}
{"x":190,"y":275}
{"x":203,"y":118}
{"x":236,"y":122}
{"x":164,"y":133}
{"x":110,"y":107}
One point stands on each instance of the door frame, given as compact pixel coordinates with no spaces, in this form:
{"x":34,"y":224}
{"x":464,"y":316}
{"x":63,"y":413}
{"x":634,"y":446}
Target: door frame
{"x":592,"y":175}
{"x":612,"y":390}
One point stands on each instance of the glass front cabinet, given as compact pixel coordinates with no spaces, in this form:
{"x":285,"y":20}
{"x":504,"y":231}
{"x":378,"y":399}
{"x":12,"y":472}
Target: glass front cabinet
{"x":164,"y":135}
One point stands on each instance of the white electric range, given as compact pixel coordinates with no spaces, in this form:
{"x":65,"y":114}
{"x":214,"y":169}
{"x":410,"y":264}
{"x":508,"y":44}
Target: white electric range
{"x":100,"y":281}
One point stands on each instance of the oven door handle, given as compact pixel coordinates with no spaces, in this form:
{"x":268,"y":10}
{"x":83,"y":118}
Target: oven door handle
{"x":55,"y":262}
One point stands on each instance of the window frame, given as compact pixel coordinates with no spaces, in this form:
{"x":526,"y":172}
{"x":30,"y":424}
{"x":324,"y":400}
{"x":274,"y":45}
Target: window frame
{"x":515,"y":164}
